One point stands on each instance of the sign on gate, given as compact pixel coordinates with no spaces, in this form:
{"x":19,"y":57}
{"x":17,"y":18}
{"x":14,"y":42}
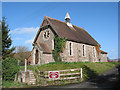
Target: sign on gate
{"x":53,"y":74}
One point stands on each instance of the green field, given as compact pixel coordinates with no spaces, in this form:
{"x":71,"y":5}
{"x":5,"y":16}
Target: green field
{"x":90,"y":70}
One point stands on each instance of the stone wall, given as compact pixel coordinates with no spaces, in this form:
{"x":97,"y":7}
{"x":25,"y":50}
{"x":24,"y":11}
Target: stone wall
{"x":103,"y":57}
{"x":49,"y":42}
{"x":40,"y":56}
{"x":33,"y":57}
{"x":90,"y":54}
{"x":21,"y":76}
{"x":47,"y":58}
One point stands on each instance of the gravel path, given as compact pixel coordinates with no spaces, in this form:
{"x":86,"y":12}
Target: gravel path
{"x":107,"y":80}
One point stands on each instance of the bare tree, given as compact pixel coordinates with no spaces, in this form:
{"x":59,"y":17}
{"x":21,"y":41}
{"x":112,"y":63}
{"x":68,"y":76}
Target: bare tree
{"x":21,"y":49}
{"x":22,"y":53}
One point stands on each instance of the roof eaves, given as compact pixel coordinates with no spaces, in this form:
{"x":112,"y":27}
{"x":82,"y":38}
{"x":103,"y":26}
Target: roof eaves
{"x":52,"y":26}
{"x":36,"y":36}
{"x":89,"y":35}
{"x":103,"y":52}
{"x":39,"y":30}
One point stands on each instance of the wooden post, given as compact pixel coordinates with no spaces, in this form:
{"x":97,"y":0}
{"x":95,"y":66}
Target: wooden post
{"x":25,"y":65}
{"x":25,"y":69}
{"x":81,"y":73}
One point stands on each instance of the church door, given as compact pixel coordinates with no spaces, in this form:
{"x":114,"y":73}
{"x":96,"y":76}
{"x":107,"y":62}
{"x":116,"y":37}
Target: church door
{"x":36,"y":57}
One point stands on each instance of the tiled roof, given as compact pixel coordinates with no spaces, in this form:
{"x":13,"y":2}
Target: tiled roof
{"x":44,"y":48}
{"x":28,"y":53}
{"x":74,"y":33}
{"x":103,"y":52}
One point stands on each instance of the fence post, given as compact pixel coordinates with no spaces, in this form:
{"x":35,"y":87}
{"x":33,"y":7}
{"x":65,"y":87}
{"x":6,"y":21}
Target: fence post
{"x":25,"y":65}
{"x":25,"y":70}
{"x":81,"y":73}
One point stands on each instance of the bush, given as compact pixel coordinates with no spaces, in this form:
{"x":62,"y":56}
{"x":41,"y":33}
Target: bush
{"x":21,"y":64}
{"x":55,"y":55}
{"x":58,"y":48}
{"x":9,"y":68}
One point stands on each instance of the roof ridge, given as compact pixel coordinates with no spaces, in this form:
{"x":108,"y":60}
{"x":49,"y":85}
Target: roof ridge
{"x":55,"y":19}
{"x":53,"y":22}
{"x":78,"y":27}
{"x":63,"y":22}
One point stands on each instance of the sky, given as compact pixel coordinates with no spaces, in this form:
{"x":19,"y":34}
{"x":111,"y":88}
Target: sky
{"x":99,"y":19}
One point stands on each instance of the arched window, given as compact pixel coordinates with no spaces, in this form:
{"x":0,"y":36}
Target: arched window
{"x":93,"y":51}
{"x":70,"y":50}
{"x":36,"y":57}
{"x":83,"y":50}
{"x":46,"y":34}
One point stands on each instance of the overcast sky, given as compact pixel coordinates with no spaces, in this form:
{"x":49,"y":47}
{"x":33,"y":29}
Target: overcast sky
{"x":100,"y":19}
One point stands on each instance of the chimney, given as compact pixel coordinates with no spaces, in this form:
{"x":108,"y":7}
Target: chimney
{"x":67,"y":20}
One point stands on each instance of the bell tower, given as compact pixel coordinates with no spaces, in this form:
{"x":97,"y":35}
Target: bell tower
{"x":67,"y":20}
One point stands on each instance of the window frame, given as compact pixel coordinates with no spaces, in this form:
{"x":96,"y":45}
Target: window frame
{"x":83,"y":50}
{"x":70,"y":49}
{"x":47,"y":36}
{"x":94,"y":53}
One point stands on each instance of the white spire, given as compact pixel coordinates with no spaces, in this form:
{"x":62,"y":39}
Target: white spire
{"x":67,"y":19}
{"x":67,"y":16}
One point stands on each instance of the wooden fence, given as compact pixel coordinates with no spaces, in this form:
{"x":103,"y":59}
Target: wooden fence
{"x":65,"y":76}
{"x":69,"y":74}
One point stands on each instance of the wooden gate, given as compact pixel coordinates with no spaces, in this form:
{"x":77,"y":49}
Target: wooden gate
{"x":68,"y":75}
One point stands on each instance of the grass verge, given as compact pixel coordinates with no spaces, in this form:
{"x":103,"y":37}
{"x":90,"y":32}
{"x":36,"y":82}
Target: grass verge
{"x":90,"y":69}
{"x":13,"y":84}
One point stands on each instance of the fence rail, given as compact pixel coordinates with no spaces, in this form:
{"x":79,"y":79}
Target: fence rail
{"x":78,"y":69}
{"x":69,"y":74}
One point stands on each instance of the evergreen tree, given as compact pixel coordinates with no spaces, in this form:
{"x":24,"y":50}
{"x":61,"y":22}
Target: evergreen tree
{"x":6,"y":40}
{"x":0,"y":40}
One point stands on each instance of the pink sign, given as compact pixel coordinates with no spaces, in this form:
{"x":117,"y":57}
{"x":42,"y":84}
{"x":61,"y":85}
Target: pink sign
{"x":53,"y":74}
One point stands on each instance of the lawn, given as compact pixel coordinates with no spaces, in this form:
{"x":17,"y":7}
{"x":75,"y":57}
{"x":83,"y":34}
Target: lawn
{"x":13,"y":84}
{"x":90,"y":69}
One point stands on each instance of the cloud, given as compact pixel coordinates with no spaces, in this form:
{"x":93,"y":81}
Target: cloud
{"x":30,"y":30}
{"x":26,"y":35}
{"x":29,"y":41}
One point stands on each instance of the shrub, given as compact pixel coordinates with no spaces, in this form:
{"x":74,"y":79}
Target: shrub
{"x":9,"y":68}
{"x":58,"y":48}
{"x":55,"y":55}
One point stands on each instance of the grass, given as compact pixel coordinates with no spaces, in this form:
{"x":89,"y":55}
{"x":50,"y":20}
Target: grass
{"x":13,"y":84}
{"x":98,"y":67}
{"x":90,"y":69}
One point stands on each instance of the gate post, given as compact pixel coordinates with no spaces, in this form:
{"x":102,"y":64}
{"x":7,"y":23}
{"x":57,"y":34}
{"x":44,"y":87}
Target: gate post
{"x":81,"y":73}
